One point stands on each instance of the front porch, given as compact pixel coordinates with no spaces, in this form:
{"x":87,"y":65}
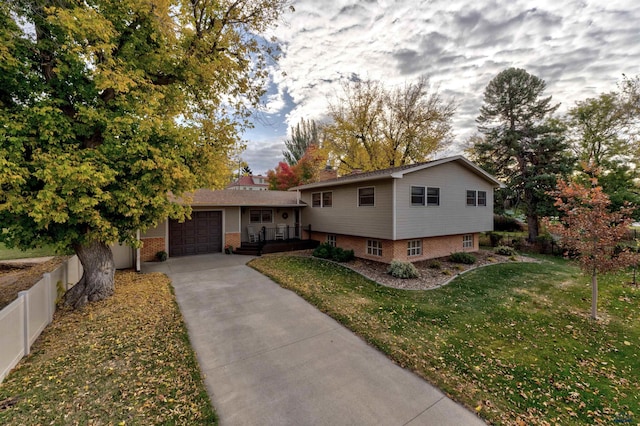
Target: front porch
{"x":274,"y":239}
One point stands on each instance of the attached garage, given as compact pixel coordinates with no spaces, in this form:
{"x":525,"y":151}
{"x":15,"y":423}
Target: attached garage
{"x":199,"y":235}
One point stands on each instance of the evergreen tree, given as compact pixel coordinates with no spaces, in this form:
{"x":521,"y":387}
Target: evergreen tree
{"x":303,"y":136}
{"x":521,"y":143}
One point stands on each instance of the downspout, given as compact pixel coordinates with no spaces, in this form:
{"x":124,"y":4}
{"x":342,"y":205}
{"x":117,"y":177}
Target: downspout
{"x":166,"y":235}
{"x":299,"y":213}
{"x":138,"y":251}
{"x":240,"y":222}
{"x":393,"y":210}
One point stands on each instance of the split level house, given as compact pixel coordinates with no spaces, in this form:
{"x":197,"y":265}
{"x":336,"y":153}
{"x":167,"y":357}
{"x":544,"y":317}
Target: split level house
{"x":409,"y":213}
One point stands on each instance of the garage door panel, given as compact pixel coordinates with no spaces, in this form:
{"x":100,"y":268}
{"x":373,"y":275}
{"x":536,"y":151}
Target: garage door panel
{"x":199,"y":235}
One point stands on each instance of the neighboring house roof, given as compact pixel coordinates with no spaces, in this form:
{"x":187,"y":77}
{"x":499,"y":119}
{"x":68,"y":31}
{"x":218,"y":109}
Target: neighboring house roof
{"x":250,"y":181}
{"x":399,"y":172}
{"x":230,"y":197}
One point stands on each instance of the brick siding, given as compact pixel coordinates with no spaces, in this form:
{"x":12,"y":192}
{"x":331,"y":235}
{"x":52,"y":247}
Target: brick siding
{"x":432,"y":247}
{"x":151,"y":246}
{"x":233,"y":238}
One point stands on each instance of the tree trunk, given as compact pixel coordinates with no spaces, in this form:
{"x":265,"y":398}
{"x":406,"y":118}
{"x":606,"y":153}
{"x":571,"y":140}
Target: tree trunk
{"x":97,"y":282}
{"x":594,"y":295}
{"x":532,"y":223}
{"x":532,"y":216}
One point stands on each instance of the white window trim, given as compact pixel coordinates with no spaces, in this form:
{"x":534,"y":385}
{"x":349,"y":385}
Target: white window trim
{"x":374,"y":248}
{"x":332,"y":240}
{"x":478,"y":199}
{"x":475,"y":198}
{"x":424,"y":196}
{"x":261,"y":210}
{"x":322,"y":205}
{"x":322,"y":199}
{"x":374,"y":196}
{"x":414,"y":249}
{"x":468,"y":241}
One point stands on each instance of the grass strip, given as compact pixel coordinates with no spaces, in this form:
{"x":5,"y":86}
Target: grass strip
{"x":513,"y":342}
{"x":10,"y":254}
{"x":125,"y":360}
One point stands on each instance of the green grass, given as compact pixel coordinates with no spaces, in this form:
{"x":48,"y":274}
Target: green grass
{"x":125,"y":360}
{"x":513,"y":342}
{"x":10,"y":254}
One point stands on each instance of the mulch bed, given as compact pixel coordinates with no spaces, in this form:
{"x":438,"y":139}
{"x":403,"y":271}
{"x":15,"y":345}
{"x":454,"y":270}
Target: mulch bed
{"x":433,"y":272}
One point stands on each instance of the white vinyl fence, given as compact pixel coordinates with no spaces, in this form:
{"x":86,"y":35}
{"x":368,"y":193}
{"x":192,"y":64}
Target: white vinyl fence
{"x":22,"y":321}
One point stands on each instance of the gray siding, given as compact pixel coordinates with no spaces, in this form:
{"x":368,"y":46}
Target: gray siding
{"x":231,"y":219}
{"x":453,"y":216}
{"x":345,"y":217}
{"x":277,"y":218}
{"x":159,"y":231}
{"x":230,"y":216}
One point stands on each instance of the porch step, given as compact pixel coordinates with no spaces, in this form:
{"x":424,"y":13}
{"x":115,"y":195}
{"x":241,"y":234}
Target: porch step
{"x":249,"y":251}
{"x":254,"y":249}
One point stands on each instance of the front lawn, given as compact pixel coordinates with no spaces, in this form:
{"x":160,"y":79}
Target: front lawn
{"x":125,"y":360}
{"x":513,"y":342}
{"x":9,"y":254}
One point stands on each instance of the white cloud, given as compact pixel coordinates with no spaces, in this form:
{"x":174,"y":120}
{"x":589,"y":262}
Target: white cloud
{"x":580,"y":48}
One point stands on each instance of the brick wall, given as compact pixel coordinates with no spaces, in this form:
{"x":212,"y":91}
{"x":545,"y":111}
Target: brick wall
{"x":233,"y":238}
{"x":432,"y":247}
{"x":359,"y":246}
{"x":151,"y":246}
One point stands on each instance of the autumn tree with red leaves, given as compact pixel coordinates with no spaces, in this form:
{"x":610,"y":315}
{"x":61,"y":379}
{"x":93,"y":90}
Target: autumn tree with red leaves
{"x":304,"y":171}
{"x":592,"y":231}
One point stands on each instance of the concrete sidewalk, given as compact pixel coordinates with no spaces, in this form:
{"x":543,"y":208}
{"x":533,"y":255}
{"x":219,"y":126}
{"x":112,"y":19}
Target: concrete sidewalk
{"x":270,"y":358}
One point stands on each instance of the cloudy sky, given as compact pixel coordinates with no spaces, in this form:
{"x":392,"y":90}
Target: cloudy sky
{"x":580,"y":48}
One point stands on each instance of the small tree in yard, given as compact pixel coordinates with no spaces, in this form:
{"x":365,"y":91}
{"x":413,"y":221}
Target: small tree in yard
{"x":588,"y":227}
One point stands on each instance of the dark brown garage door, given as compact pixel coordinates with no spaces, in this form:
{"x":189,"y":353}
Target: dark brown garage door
{"x":202,"y":234}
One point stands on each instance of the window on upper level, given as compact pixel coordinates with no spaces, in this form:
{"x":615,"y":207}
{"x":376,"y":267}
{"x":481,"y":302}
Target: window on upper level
{"x":425,"y":196}
{"x":366,"y":196}
{"x":476,"y":198}
{"x":322,"y":199}
{"x":471,"y":198}
{"x":327,"y":199}
{"x":482,"y":198}
{"x":433,"y":196}
{"x":417,"y":195}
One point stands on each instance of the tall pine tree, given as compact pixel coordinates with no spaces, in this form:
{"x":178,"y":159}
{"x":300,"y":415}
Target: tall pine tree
{"x":521,"y":143}
{"x":304,"y":135}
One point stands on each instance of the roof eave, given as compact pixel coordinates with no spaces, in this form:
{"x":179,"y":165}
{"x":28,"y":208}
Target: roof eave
{"x":400,"y":174}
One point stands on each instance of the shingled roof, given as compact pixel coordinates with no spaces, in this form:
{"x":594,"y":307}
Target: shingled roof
{"x":249,"y":181}
{"x":399,"y":172}
{"x":230,"y":197}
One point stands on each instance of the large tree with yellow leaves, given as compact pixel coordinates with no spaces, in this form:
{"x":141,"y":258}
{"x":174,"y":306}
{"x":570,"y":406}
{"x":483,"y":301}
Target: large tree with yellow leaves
{"x":107,"y":107}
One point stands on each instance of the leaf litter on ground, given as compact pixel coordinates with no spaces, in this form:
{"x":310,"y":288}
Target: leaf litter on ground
{"x":124,"y":360}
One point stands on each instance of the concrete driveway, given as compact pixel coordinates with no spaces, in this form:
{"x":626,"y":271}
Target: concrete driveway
{"x":270,"y":358}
